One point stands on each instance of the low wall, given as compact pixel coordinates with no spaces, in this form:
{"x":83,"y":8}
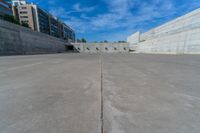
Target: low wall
{"x":101,"y":47}
{"x":18,"y":40}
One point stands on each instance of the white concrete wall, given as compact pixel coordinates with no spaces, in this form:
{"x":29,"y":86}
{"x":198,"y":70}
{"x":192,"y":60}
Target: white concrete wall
{"x":188,"y":21}
{"x":181,"y":35}
{"x":133,"y":40}
{"x":178,"y":43}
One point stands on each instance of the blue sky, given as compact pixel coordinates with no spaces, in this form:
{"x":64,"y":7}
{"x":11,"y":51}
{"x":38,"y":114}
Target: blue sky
{"x":114,"y":20}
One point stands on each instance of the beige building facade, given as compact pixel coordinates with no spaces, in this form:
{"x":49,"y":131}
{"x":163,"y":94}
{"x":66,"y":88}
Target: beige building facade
{"x":27,"y":15}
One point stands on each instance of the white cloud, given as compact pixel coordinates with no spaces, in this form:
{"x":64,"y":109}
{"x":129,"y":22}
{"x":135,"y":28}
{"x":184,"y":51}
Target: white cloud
{"x":121,"y":7}
{"x":59,"y":11}
{"x":120,"y":14}
{"x":78,"y":8}
{"x":51,"y":2}
{"x":128,"y":15}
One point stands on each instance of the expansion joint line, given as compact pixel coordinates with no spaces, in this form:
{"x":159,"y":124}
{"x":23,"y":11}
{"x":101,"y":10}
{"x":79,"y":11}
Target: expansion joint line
{"x":102,"y":100}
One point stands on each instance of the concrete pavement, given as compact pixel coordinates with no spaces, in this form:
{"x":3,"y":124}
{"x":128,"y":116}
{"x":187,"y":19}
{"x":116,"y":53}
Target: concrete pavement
{"x":62,"y":93}
{"x":151,"y":93}
{"x":50,"y":94}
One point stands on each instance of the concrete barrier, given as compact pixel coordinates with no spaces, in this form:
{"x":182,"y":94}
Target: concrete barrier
{"x":18,"y":40}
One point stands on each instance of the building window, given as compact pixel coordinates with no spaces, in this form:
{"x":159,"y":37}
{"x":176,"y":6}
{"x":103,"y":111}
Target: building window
{"x":23,"y":12}
{"x":23,"y":8}
{"x":23,"y":16}
{"x":16,"y":3}
{"x":4,"y":5}
{"x":5,"y":12}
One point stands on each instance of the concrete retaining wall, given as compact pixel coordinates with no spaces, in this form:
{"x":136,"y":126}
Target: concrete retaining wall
{"x":187,"y":42}
{"x":101,"y":47}
{"x":180,"y":36}
{"x":18,"y":40}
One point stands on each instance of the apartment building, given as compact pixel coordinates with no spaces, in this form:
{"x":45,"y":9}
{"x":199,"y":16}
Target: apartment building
{"x":41,"y":21}
{"x":5,"y":8}
{"x":15,"y":5}
{"x":36,"y":18}
{"x":18,"y":2}
{"x":27,"y":14}
{"x":54,"y":26}
{"x":67,"y":33}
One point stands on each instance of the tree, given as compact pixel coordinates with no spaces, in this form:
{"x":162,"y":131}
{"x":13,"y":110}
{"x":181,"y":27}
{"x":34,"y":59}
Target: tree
{"x":83,"y":40}
{"x":105,"y":41}
{"x":121,"y":41}
{"x":11,"y":19}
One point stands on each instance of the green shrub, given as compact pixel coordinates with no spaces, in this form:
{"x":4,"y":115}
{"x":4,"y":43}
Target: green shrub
{"x":25,"y":24}
{"x":11,"y":19}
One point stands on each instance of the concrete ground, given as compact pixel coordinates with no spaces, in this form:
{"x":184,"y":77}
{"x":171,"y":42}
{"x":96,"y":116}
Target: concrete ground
{"x":70,"y":93}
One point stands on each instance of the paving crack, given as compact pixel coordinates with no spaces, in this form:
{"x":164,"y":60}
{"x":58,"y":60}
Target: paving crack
{"x":102,"y":101}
